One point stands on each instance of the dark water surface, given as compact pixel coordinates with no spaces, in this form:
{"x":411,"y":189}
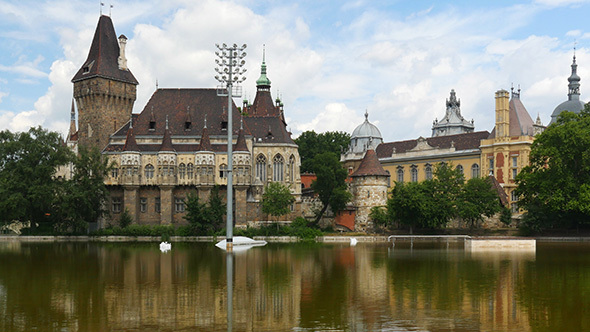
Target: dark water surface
{"x":292,"y":287}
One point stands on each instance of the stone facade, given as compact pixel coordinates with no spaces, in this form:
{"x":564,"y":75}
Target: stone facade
{"x":178,"y":144}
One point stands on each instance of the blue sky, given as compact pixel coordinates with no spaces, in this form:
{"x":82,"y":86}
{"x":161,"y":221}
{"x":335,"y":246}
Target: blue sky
{"x":328,"y":60}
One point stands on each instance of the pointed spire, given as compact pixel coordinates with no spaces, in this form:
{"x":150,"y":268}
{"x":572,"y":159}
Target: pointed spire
{"x":72,"y":120}
{"x":167,"y":140}
{"x":130,"y":143}
{"x":205,"y":144}
{"x":241,"y":145}
{"x":263,"y":82}
{"x":574,"y":81}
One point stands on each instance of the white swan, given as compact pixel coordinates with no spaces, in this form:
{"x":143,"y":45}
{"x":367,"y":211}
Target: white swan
{"x":165,"y":246}
{"x":353,"y":241}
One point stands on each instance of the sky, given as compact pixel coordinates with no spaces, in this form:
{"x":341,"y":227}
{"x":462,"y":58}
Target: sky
{"x":329,"y":61}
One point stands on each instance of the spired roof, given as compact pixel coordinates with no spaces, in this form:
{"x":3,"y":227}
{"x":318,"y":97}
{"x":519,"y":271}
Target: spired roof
{"x":370,"y":166}
{"x":466,"y":141}
{"x":103,"y":56}
{"x":241,"y":142}
{"x":263,"y":104}
{"x":205,"y":143}
{"x":521,"y":122}
{"x":130,"y":142}
{"x":573,"y":102}
{"x":453,"y":122}
{"x":167,"y":140}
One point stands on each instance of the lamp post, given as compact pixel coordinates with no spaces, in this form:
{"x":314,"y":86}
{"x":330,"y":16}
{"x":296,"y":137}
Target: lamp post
{"x":230,"y":63}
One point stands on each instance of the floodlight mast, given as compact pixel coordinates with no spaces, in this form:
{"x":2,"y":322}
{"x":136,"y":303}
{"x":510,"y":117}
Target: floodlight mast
{"x":230,"y":72}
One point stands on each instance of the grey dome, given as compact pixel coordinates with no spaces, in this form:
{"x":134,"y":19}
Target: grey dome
{"x":575,"y":106}
{"x":366,"y":129}
{"x":573,"y":102}
{"x":365,"y":136}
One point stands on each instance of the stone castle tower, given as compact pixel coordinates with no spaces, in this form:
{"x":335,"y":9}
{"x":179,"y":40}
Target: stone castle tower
{"x":369,"y":188}
{"x":104,"y":88}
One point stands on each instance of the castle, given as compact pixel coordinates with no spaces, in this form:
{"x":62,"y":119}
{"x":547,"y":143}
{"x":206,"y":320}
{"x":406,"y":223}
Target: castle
{"x":178,"y":143}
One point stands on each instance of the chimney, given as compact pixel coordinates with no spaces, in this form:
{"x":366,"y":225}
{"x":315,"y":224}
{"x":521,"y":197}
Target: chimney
{"x":122,"y":59}
{"x":502,"y":114}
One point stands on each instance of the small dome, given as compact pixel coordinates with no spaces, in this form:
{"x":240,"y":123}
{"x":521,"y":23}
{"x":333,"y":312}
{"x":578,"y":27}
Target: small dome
{"x":366,"y":129}
{"x":364,"y":137}
{"x":575,"y":106}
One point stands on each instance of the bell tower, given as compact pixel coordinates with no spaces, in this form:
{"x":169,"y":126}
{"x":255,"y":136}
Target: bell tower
{"x":104,"y":87}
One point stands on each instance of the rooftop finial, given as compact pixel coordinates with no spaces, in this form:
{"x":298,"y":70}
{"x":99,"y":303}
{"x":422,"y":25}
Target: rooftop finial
{"x":166,"y":121}
{"x":101,"y":5}
{"x":130,"y":121}
{"x":205,"y":120}
{"x":156,"y":84}
{"x":241,"y":122}
{"x":110,"y":10}
{"x":366,"y":115}
{"x":263,"y":82}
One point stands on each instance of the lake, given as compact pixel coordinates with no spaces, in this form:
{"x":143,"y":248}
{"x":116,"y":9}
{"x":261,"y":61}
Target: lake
{"x":427,"y":286}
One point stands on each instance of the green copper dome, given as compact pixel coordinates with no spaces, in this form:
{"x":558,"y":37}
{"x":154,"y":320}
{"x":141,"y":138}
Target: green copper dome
{"x":263,"y":80}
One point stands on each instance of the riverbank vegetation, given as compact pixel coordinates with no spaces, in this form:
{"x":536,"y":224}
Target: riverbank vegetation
{"x":432,"y":204}
{"x":555,"y":188}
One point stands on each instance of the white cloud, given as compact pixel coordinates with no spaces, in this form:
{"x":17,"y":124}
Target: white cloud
{"x":2,"y":95}
{"x":334,"y":117}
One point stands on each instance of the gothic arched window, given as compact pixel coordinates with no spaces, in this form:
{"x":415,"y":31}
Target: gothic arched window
{"x":261,"y":167}
{"x":277,"y":167}
{"x":149,"y":171}
{"x":190,"y":168}
{"x":292,"y":168}
{"x":181,"y":170}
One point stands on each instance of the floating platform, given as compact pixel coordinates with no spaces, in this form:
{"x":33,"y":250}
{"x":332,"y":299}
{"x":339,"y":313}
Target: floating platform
{"x":500,"y":244}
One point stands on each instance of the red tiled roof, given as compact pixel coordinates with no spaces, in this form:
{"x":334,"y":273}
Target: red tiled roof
{"x":370,"y":165}
{"x":103,"y":56}
{"x":466,"y":141}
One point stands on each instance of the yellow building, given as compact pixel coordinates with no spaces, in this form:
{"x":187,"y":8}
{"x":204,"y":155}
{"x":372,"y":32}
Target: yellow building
{"x":507,"y":150}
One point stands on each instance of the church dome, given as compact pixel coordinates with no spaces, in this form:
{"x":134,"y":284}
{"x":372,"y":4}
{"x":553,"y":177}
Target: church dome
{"x":574,"y":105}
{"x":366,"y":130}
{"x":573,"y":102}
{"x":364,"y":137}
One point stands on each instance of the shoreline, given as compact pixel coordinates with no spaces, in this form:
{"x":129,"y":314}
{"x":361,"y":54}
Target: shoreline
{"x":278,"y":239}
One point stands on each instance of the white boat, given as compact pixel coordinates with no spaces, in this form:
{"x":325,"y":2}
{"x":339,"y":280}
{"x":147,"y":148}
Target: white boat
{"x":241,"y":243}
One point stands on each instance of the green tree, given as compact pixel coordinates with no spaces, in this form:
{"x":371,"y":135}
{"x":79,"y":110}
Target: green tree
{"x":330,"y":184}
{"x":477,"y":199}
{"x":205,"y":218}
{"x":406,"y":205}
{"x":277,"y":199}
{"x":311,"y":144}
{"x":440,"y":195}
{"x":82,"y":199}
{"x":555,"y":187}
{"x":28,"y":163}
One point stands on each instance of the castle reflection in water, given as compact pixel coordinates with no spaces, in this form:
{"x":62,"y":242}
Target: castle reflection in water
{"x":134,"y":287}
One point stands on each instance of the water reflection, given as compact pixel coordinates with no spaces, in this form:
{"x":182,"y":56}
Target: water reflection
{"x":295,"y":287}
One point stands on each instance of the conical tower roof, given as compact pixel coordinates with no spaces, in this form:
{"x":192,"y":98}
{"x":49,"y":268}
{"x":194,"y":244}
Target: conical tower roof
{"x":103,"y":56}
{"x":167,"y":140}
{"x":370,"y":166}
{"x":205,"y":144}
{"x":241,"y":145}
{"x":130,"y":142}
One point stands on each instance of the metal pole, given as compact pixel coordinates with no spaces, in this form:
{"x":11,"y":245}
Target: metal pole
{"x":229,"y":225}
